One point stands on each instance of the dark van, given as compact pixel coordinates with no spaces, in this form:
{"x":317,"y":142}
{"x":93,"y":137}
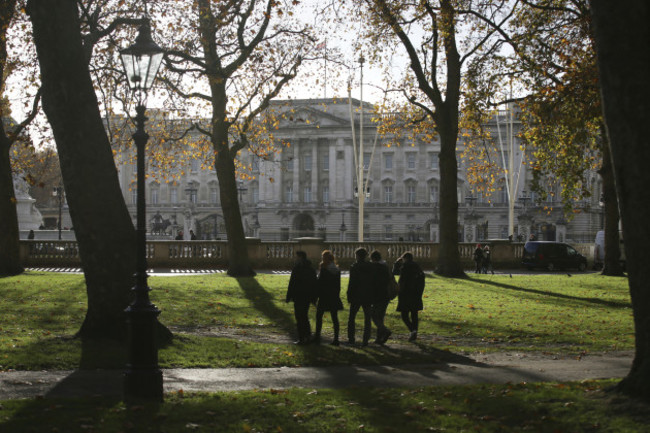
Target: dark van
{"x":552,"y":256}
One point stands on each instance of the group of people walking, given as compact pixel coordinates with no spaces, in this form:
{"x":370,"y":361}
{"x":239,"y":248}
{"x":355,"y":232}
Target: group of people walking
{"x":371,"y":287}
{"x":483,"y":259}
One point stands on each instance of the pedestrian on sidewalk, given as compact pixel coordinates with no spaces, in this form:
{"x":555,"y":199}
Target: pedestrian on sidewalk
{"x":360,"y":295}
{"x":302,"y":291}
{"x":329,"y":295}
{"x":380,"y":295}
{"x":411,"y":288}
{"x":478,"y":258}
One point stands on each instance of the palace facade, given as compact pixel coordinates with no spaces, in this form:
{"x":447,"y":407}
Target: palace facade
{"x":308,"y":189}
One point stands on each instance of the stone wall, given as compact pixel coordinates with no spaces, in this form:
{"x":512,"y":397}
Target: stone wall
{"x":273,"y":255}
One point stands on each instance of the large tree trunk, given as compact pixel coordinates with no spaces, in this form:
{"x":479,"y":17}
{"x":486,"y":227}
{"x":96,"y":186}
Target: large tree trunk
{"x":446,"y":119}
{"x":612,"y":264}
{"x":622,"y":35}
{"x":239,"y":264}
{"x":9,"y":251}
{"x":449,"y":263}
{"x":101,"y":221}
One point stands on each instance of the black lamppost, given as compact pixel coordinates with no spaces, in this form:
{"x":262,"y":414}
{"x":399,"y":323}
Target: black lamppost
{"x":58,"y":193}
{"x":143,"y":378}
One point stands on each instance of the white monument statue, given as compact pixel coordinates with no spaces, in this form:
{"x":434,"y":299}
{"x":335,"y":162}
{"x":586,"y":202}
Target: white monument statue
{"x":29,"y":218}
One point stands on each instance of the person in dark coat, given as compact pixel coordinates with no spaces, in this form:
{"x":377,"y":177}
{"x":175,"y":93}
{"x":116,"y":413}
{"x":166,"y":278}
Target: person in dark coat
{"x":302,"y":291}
{"x":380,"y":298}
{"x":478,"y":258}
{"x":409,"y":299}
{"x":360,"y":295}
{"x":487,"y":260}
{"x":397,"y":266}
{"x":329,"y":295}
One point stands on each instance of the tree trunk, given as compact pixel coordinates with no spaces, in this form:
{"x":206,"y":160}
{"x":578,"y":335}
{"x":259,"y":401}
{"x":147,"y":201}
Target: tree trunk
{"x":612,"y":264}
{"x":101,"y":221}
{"x":9,"y":249}
{"x":622,"y":36}
{"x":239,"y":264}
{"x":9,"y":252}
{"x":449,"y":263}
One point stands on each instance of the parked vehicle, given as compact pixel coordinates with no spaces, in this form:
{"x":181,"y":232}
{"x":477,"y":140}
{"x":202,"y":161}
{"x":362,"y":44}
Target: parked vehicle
{"x":552,"y":256}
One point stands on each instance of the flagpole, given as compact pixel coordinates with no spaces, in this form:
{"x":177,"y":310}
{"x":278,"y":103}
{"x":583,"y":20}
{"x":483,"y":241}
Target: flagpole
{"x":325,"y":82}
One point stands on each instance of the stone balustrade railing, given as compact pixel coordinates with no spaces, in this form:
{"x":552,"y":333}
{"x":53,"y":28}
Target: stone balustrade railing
{"x":271,"y":255}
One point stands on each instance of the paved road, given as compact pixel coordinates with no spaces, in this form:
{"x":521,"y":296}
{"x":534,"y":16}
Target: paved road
{"x":497,"y":368}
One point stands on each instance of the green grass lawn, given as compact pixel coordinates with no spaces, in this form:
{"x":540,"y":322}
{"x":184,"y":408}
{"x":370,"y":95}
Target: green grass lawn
{"x":547,"y":407}
{"x":40,"y":312}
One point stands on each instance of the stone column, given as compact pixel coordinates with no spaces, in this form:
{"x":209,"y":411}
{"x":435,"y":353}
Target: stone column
{"x":314,"y":170}
{"x":296,"y":172}
{"x":331,"y":146}
{"x":349,"y":175}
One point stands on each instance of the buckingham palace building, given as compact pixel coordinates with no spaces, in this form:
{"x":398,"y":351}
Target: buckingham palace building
{"x":308,"y":188}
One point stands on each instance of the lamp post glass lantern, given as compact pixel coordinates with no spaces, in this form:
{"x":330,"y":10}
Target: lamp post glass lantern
{"x":143,"y":378}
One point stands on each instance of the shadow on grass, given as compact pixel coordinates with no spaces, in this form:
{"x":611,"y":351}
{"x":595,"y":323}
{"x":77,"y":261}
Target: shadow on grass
{"x":325,"y":354}
{"x":264,"y":302}
{"x":561,"y":296}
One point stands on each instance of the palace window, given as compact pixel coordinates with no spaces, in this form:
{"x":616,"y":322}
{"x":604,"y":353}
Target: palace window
{"x":325,"y":162}
{"x":388,"y":161}
{"x":214,"y":195}
{"x":289,"y":194}
{"x":388,"y":193}
{"x":410,"y":193}
{"x":433,"y":193}
{"x":154,"y":194}
{"x":307,"y":194}
{"x":410,"y":160}
{"x":326,"y":194}
{"x":434,"y":161}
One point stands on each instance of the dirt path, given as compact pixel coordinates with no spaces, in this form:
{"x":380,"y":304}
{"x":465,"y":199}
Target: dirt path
{"x":492,"y":368}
